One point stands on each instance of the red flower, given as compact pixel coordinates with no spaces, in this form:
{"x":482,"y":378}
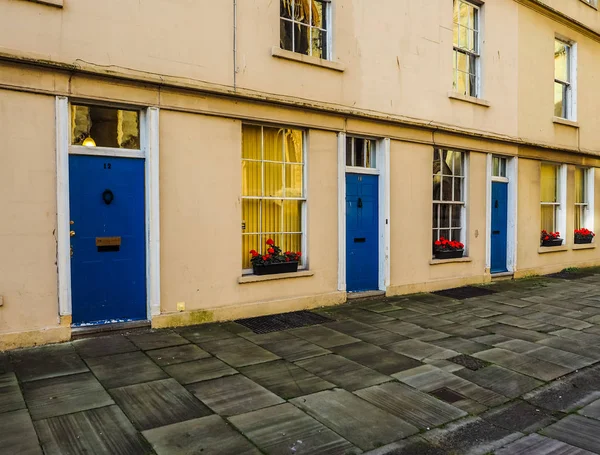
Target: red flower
{"x":287,"y":259}
{"x":253,"y":252}
{"x":298,"y":254}
{"x":271,"y":251}
{"x":438,"y":243}
{"x":265,"y":257}
{"x":547,"y":237}
{"x":270,"y":242}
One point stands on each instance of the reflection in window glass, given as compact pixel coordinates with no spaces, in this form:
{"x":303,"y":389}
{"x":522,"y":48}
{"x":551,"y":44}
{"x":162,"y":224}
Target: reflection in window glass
{"x":361,"y":152}
{"x":466,"y":48}
{"x":304,"y":27}
{"x":98,"y":126}
{"x":562,"y":79}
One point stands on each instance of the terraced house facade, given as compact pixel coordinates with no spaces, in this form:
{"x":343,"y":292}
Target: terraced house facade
{"x":147,"y":147}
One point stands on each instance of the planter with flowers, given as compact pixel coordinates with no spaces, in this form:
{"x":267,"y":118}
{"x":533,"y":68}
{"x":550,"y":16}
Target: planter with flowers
{"x":274,"y":261}
{"x":584,"y":236}
{"x":550,"y":238}
{"x":448,"y":249}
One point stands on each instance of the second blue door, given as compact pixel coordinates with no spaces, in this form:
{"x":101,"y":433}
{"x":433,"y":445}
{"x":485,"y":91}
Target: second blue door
{"x":362,"y":232}
{"x":499,"y":226}
{"x":108,"y":255}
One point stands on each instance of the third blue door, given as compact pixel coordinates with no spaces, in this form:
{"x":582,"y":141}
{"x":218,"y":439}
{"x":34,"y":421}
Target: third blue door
{"x":499,"y":226}
{"x":362,"y":232}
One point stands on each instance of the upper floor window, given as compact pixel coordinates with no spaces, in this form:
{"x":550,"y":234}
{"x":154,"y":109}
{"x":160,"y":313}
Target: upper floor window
{"x":564,"y":64}
{"x":306,"y":27}
{"x":466,"y":48}
{"x":100,"y":126}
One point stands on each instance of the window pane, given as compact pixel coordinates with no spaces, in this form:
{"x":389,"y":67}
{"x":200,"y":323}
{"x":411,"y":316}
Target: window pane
{"x":96,"y":126}
{"x":301,"y":39}
{"x":458,"y":163}
{"x":458,"y":189}
{"x":291,"y":242}
{"x":444,"y":215}
{"x":349,"y":154}
{"x":251,"y":142}
{"x":446,"y":189}
{"x":548,"y":183}
{"x":495,"y":166}
{"x":560,"y":100}
{"x":250,"y":216}
{"x":437,"y":187}
{"x":436,"y":217}
{"x":251,"y":178}
{"x":292,"y":216}
{"x":286,"y":40}
{"x":273,"y":144}
{"x":294,"y":150}
{"x":579,"y":186}
{"x":371,"y":155}
{"x":319,"y":43}
{"x":436,"y":161}
{"x":285,"y":9}
{"x":463,"y":12}
{"x":561,"y":61}
{"x":249,"y":242}
{"x":318,"y":14}
{"x":548,"y":212}
{"x":455,"y":235}
{"x":302,"y":11}
{"x":359,"y":152}
{"x":273,"y":180}
{"x":579,"y":216}
{"x":456,"y":216}
{"x":293,"y":180}
{"x":271,"y":216}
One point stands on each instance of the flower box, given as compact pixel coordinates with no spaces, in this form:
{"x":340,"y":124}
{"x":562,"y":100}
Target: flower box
{"x":552,"y":242}
{"x":448,"y":254}
{"x":581,"y":241}
{"x":272,"y":269}
{"x":584,"y":235}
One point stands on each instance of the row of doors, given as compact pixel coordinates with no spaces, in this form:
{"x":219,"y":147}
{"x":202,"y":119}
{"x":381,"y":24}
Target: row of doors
{"x":362,"y":231}
{"x":108,"y":254}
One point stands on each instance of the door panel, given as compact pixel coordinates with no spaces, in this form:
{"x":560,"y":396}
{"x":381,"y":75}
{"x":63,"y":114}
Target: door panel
{"x":108,"y":262}
{"x":499,"y":227}
{"x":362,"y":232}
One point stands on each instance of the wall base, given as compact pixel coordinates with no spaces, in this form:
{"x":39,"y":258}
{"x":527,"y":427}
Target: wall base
{"x":432,"y":286}
{"x":251,"y":310}
{"x":555,"y":268}
{"x":34,"y":337}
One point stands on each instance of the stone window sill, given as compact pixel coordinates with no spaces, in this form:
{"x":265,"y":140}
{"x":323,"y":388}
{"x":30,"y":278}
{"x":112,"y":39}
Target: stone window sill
{"x":552,"y":249}
{"x":449,"y":261}
{"x":279,"y":276}
{"x":584,"y":246}
{"x":57,"y":3}
{"x":565,"y":122}
{"x":309,"y":60}
{"x":468,"y":99}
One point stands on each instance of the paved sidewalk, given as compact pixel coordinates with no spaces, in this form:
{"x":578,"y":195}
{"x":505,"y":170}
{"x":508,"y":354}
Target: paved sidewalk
{"x":512,"y":371}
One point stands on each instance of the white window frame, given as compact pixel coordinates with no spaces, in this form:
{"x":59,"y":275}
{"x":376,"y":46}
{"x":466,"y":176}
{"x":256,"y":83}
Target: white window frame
{"x":328,"y":6}
{"x":464,"y":203}
{"x":569,"y":86}
{"x":587,"y":207}
{"x":593,"y":4}
{"x":304,"y":258}
{"x":560,"y":215}
{"x":362,"y":168}
{"x":476,"y":54}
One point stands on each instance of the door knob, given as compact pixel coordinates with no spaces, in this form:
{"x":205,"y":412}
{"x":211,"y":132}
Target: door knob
{"x":71,"y":222}
{"x":72,"y":233}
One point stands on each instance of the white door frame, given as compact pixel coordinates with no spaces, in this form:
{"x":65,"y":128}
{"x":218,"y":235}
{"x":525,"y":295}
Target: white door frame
{"x":149,"y":151}
{"x":382,"y":170}
{"x":512,"y":173}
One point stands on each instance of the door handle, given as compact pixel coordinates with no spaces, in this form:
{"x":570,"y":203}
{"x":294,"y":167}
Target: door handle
{"x":495,"y":232}
{"x":496,"y":204}
{"x":72,"y":233}
{"x":360,"y":239}
{"x":359,"y":203}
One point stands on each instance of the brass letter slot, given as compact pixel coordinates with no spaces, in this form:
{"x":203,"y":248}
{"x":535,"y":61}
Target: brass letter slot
{"x":108,"y":244}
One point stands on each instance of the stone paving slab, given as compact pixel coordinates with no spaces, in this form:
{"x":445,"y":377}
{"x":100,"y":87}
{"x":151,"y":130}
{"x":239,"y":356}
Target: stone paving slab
{"x":177,"y":354}
{"x":10,"y":393}
{"x":207,"y":332}
{"x":103,"y":346}
{"x":343,"y":372}
{"x":539,"y":445}
{"x":365,"y":332}
{"x":125,"y":369}
{"x":232,"y":395}
{"x":417,"y":408}
{"x":461,"y":345}
{"x":376,"y":358}
{"x":500,"y":380}
{"x":157,"y":340}
{"x":520,"y":363}
{"x":99,"y":431}
{"x":591,"y":410}
{"x":17,"y":434}
{"x":158,"y":403}
{"x":238,"y":352}
{"x":64,"y":395}
{"x":419,"y":350}
{"x":360,"y":422}
{"x":285,"y":379}
{"x":285,"y":429}
{"x":323,"y":336}
{"x":207,"y":435}
{"x":47,"y":362}
{"x":295,"y":349}
{"x":199,"y":370}
{"x":519,"y":416}
{"x":578,"y":431}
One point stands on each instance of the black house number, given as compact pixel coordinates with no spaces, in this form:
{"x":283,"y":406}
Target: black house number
{"x":107,"y":166}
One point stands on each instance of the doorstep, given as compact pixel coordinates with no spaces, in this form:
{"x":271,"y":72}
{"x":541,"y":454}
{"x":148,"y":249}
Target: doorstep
{"x":104,"y":329}
{"x":364,"y":294}
{"x":502,"y":276}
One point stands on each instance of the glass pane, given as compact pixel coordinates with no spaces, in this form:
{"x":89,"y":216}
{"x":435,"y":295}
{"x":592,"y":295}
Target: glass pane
{"x":292,"y":216}
{"x":437,"y":187}
{"x":458,"y":163}
{"x":349,"y":154}
{"x":250,"y":242}
{"x":371,"y":155}
{"x":579,"y":185}
{"x":463,"y":14}
{"x":95,"y":126}
{"x":561,"y":61}
{"x":251,"y":142}
{"x":548,"y":183}
{"x":273,"y":180}
{"x":503,"y":167}
{"x":455,"y":235}
{"x":446,"y":188}
{"x":271,"y":216}
{"x":286,"y":40}
{"x":436,"y":217}
{"x":548,"y":218}
{"x":495,"y":166}
{"x":444,"y":215}
{"x":273,"y":144}
{"x":250,"y":216}
{"x":293,"y":180}
{"x":579,"y":216}
{"x":301,"y":39}
{"x":293,"y":148}
{"x":251,"y":178}
{"x":292,"y":242}
{"x":302,"y":11}
{"x":456,"y":216}
{"x":319,"y":43}
{"x":318,"y":14}
{"x":559,"y":100}
{"x":436,"y":161}
{"x":285,"y":8}
{"x":463,"y":83}
{"x":458,"y":190}
{"x":359,"y":152}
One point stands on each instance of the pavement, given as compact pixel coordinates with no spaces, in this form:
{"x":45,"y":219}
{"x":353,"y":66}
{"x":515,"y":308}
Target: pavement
{"x":508,"y":368}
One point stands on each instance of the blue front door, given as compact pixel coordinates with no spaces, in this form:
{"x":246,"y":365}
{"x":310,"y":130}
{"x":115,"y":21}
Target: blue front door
{"x":499,"y":226}
{"x":362,"y":232}
{"x":108,"y":253}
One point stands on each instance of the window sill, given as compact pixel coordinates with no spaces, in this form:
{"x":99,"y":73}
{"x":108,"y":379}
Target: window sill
{"x":57,"y":3}
{"x":584,"y":246}
{"x":301,"y":58}
{"x":449,"y":261}
{"x":468,"y":99}
{"x":279,"y":276}
{"x":552,"y":249}
{"x":590,"y":5}
{"x":564,"y":121}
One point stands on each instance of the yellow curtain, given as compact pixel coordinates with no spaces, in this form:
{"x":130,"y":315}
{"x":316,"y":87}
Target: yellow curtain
{"x":548,"y":183}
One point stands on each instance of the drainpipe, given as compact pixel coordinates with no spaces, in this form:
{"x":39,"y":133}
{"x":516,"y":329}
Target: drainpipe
{"x":234,"y":44}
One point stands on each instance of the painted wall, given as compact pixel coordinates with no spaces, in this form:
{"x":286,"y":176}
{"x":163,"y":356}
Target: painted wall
{"x":28,"y":274}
